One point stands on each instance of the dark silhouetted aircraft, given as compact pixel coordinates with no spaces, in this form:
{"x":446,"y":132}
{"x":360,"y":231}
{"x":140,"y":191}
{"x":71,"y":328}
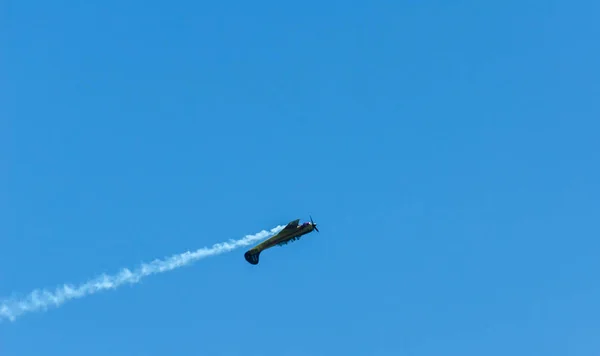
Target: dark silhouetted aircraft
{"x":290,"y":232}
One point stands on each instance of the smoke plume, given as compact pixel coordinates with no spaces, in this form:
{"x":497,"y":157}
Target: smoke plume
{"x":41,"y":300}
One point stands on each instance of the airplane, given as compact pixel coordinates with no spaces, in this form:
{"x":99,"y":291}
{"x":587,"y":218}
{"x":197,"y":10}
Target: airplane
{"x":290,"y":232}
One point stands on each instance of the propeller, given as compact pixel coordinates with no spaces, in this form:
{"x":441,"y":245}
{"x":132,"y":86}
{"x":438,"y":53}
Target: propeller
{"x":313,"y":224}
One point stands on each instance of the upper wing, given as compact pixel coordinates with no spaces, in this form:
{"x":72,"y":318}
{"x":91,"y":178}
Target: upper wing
{"x":292,"y":225}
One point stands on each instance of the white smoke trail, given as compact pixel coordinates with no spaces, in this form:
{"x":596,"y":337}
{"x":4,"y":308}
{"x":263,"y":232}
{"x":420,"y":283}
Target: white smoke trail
{"x":43,"y":299}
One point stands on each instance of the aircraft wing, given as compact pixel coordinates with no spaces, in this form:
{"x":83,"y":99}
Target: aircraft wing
{"x":292,"y":225}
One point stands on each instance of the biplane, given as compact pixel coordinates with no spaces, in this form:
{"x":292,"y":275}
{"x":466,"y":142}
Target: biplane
{"x":291,"y":232}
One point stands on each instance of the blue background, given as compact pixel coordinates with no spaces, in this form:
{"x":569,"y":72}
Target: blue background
{"x":448,"y":151}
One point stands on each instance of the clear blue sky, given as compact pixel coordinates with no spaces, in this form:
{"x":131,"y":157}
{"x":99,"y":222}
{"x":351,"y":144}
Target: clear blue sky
{"x":448,"y":150}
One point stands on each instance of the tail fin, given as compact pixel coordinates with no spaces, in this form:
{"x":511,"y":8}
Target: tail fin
{"x":252,"y":256}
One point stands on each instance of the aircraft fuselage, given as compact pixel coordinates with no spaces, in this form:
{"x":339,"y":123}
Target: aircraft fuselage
{"x":286,"y":236}
{"x":290,"y":233}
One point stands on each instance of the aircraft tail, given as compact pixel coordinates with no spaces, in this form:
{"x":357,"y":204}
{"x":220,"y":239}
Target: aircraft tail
{"x":252,"y":256}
